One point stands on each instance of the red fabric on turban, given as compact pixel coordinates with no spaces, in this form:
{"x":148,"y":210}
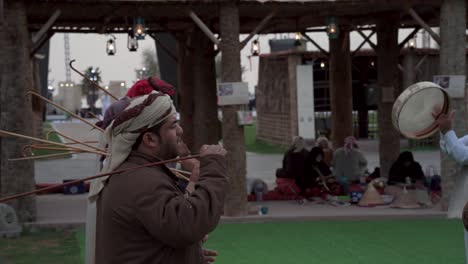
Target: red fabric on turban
{"x":143,"y":87}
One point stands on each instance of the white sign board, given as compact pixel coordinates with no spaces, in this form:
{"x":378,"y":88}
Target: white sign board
{"x":233,"y":93}
{"x":305,"y":101}
{"x":454,"y":84}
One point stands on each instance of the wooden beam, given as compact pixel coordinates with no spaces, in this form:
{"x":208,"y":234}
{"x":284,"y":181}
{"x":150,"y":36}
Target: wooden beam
{"x":420,"y":62}
{"x":258,"y":29}
{"x":38,"y":45}
{"x":362,"y":43}
{"x":166,"y":49}
{"x":366,"y":39}
{"x":315,"y":44}
{"x":42,"y":32}
{"x":423,"y":24}
{"x":106,"y":21}
{"x":400,"y":67}
{"x":410,"y":36}
{"x":203,"y":27}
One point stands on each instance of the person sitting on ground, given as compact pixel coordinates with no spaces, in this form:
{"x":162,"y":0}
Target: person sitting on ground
{"x":405,"y":167}
{"x":316,"y":172}
{"x":349,"y":164}
{"x":293,"y":160}
{"x":323,"y":143}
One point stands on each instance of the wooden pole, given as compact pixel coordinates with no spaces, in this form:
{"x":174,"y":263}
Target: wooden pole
{"x":423,"y":24}
{"x":259,"y":28}
{"x":315,"y":43}
{"x":233,"y":134}
{"x":389,"y":82}
{"x":367,"y":38}
{"x":203,"y":27}
{"x":50,"y":22}
{"x":341,"y":91}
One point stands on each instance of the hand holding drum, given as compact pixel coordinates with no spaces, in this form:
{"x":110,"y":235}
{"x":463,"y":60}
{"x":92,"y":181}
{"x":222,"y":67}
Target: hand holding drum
{"x":421,"y":109}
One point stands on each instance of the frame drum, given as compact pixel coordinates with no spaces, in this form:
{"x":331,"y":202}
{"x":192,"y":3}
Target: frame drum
{"x":412,"y":111}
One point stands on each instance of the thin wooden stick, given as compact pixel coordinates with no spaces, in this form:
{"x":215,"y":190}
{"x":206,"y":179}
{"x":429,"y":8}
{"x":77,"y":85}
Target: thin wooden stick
{"x":93,"y":82}
{"x":50,"y":142}
{"x":93,"y":115}
{"x":46,"y":156}
{"x":2,"y":200}
{"x":74,"y":140}
{"x":179,"y":175}
{"x":67,"y":143}
{"x":63,"y":109}
{"x":182,"y":171}
{"x":52,"y":148}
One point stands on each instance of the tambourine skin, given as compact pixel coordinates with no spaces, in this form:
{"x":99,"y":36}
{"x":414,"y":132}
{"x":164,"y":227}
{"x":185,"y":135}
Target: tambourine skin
{"x":418,"y":90}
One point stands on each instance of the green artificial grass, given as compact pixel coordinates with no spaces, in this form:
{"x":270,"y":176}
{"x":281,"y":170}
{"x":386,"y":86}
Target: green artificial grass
{"x":41,"y":247}
{"x":46,"y":128}
{"x":340,"y":242}
{"x":252,"y":144}
{"x":431,"y":241}
{"x":80,"y":237}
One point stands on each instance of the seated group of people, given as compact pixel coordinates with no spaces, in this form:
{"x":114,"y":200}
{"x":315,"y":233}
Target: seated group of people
{"x":318,"y":170}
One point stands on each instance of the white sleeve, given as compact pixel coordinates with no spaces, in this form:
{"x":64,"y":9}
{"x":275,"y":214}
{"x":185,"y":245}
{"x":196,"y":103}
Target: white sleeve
{"x":443,"y":147}
{"x":464,"y":140}
{"x":456,"y":148}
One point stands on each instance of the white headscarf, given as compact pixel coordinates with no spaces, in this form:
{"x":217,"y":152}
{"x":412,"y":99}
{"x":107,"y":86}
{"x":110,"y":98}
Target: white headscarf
{"x":143,"y":112}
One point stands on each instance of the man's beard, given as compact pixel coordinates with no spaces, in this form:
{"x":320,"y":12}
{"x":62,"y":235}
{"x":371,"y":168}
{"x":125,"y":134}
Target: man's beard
{"x":167,"y":151}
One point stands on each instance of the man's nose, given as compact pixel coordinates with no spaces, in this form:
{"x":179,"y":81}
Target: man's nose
{"x":180,"y":130}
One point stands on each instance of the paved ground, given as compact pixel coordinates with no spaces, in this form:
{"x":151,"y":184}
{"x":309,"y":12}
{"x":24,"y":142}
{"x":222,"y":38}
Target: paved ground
{"x":71,"y":209}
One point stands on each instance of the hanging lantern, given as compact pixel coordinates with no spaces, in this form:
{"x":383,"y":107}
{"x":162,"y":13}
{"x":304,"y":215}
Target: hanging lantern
{"x":132,"y":43}
{"x":139,"y":28}
{"x":110,"y":47}
{"x":332,"y":28}
{"x":255,"y":50}
{"x":297,"y":39}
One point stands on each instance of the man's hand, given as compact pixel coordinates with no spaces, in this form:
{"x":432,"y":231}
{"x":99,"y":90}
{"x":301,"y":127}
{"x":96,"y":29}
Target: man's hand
{"x":195,"y":168}
{"x":212,"y":150}
{"x":182,"y":149}
{"x":209,"y":255}
{"x":444,"y":121}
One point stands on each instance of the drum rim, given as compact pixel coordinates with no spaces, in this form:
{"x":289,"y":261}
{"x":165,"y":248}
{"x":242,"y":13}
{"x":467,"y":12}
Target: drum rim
{"x":404,"y":97}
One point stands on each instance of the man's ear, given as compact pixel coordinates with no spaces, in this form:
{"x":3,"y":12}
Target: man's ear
{"x":150,"y":140}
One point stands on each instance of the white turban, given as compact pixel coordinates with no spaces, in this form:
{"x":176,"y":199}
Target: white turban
{"x":142,"y":113}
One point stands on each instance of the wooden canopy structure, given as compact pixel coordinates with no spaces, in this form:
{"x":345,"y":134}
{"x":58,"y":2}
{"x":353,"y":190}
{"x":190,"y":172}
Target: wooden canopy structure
{"x":194,"y":24}
{"x":114,"y":16}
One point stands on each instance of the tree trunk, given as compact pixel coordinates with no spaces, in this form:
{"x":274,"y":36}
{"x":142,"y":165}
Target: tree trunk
{"x":206,"y":124}
{"x":186,"y":91}
{"x":453,"y":62}
{"x":388,"y":80}
{"x":341,"y":90}
{"x":199,"y":109}
{"x":16,"y":78}
{"x":233,"y":134}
